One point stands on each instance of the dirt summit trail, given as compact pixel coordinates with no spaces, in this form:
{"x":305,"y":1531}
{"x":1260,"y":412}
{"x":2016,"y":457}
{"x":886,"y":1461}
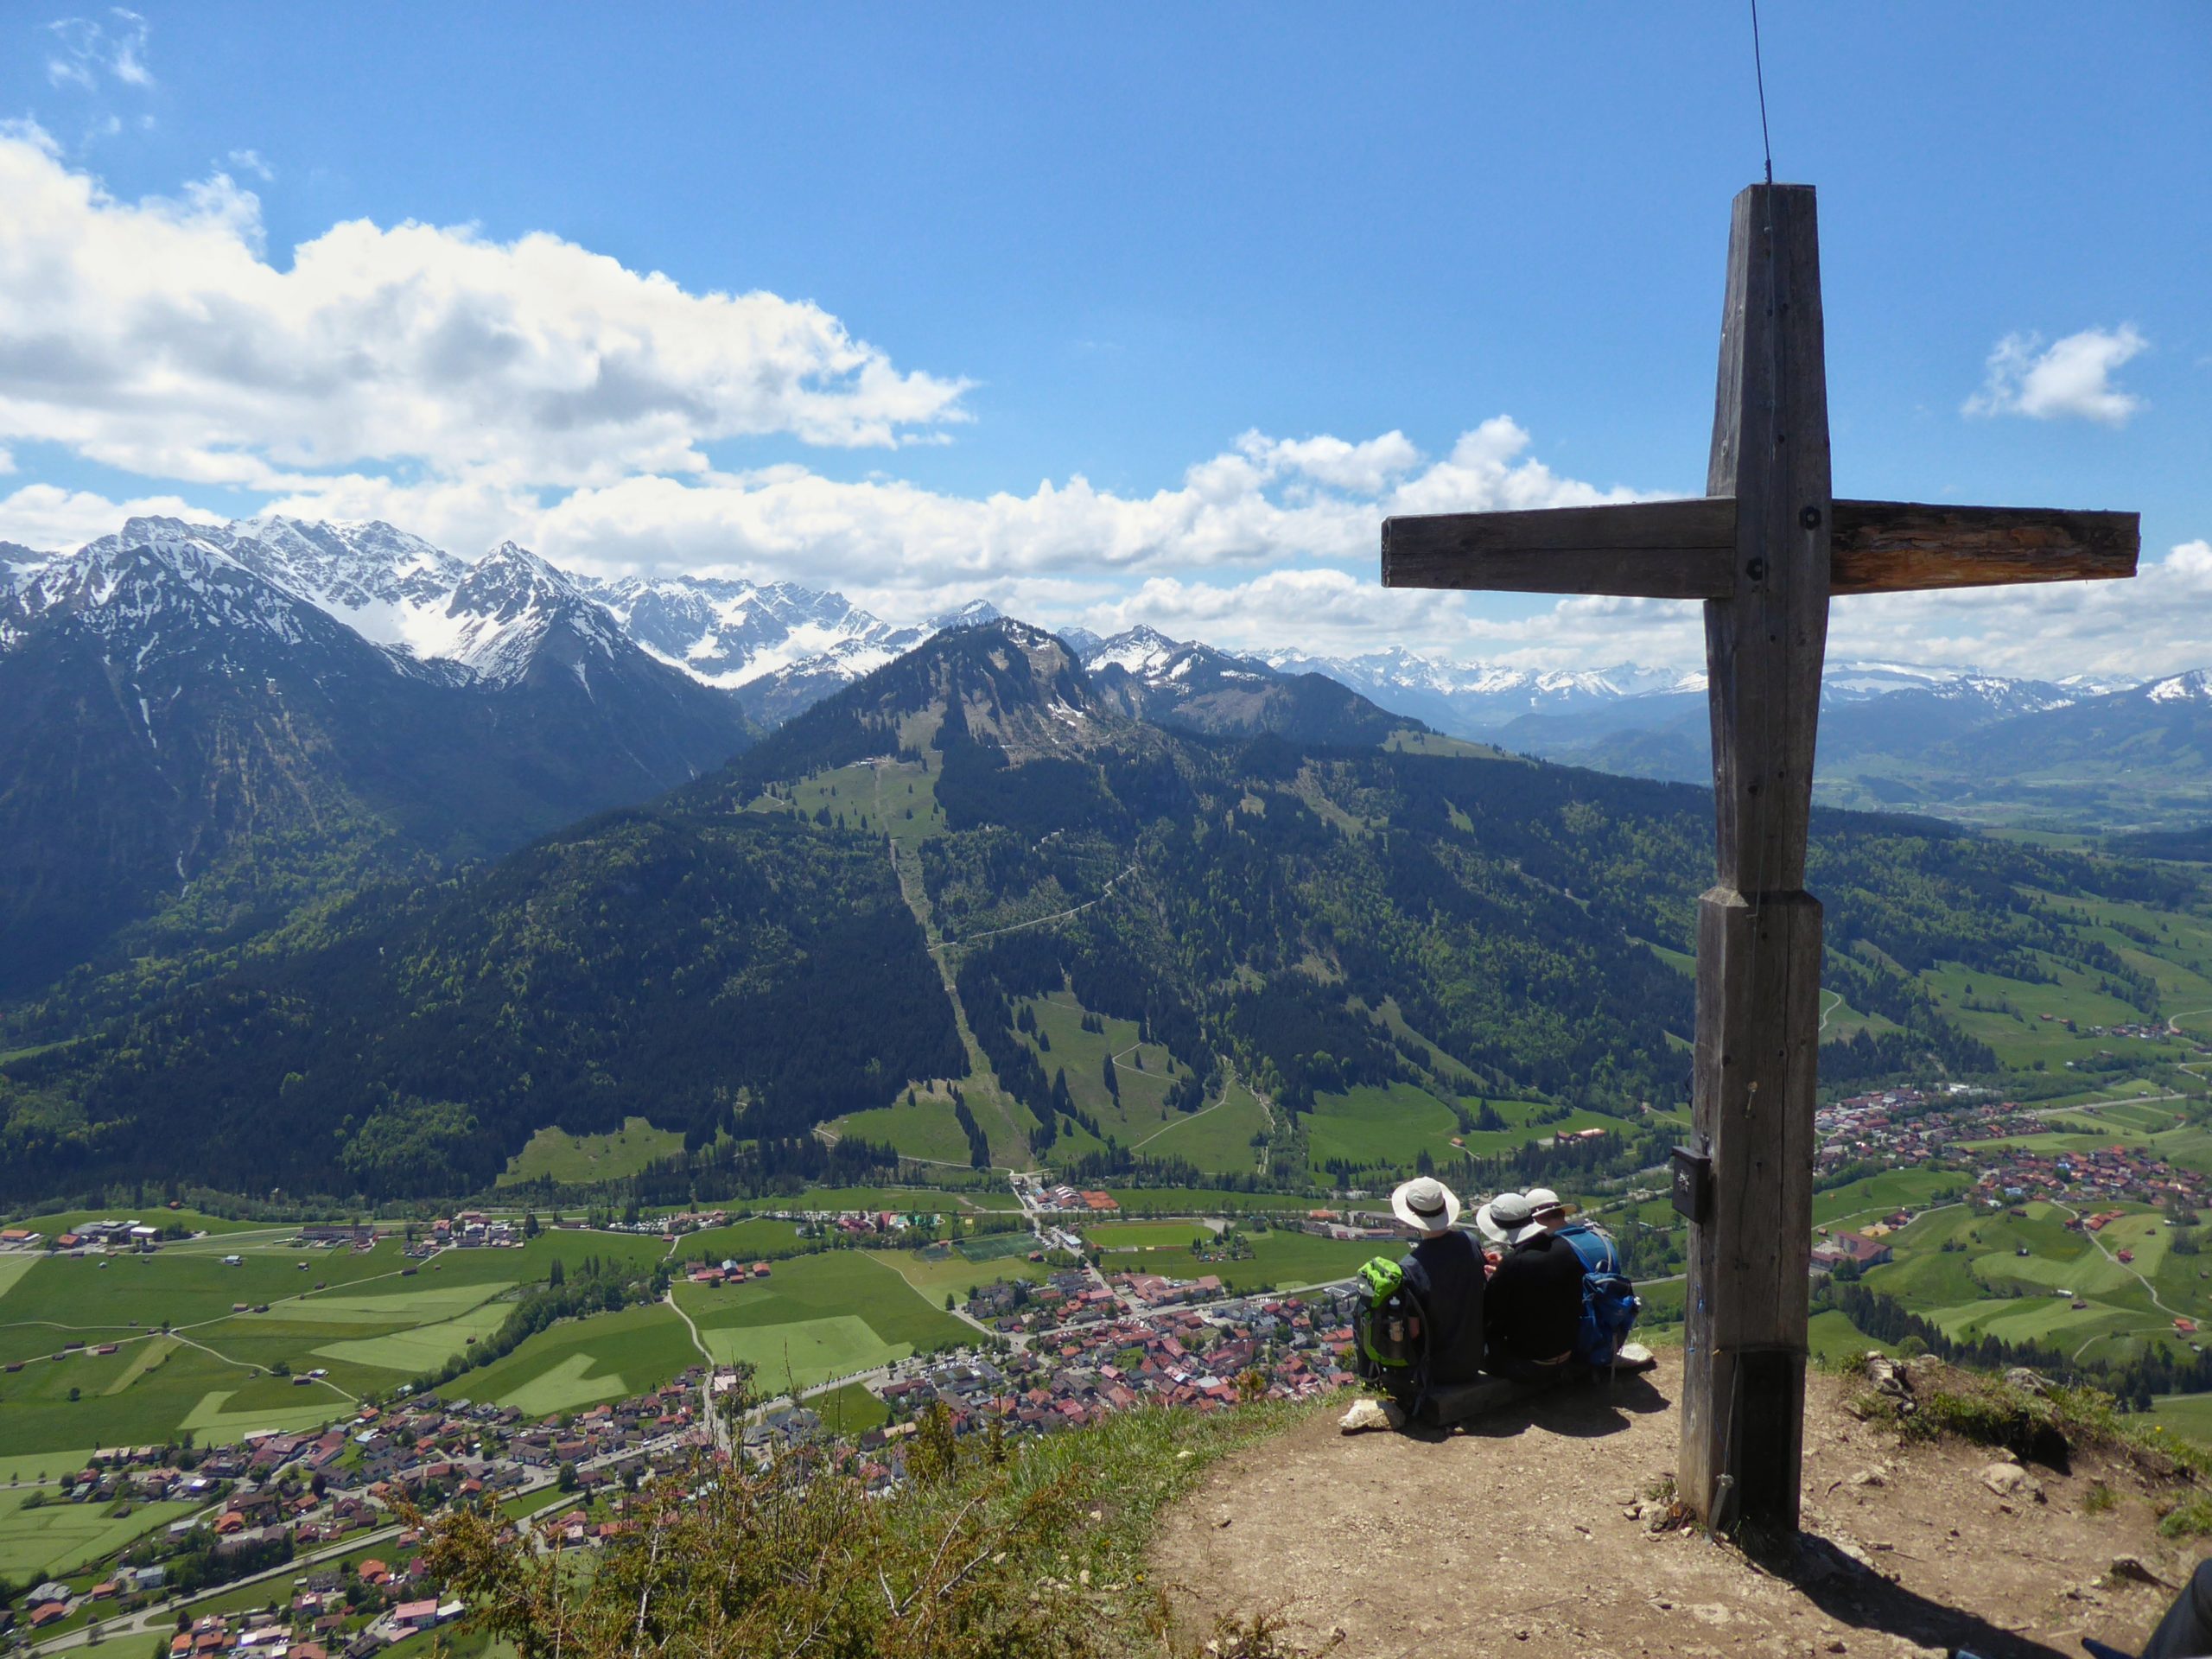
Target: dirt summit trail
{"x":1531,"y":1533}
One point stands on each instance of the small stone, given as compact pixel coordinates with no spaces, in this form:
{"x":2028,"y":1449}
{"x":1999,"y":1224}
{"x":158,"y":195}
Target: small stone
{"x":2129,"y":1569}
{"x":1367,"y":1414}
{"x":2005,"y":1478}
{"x":1867,"y":1477}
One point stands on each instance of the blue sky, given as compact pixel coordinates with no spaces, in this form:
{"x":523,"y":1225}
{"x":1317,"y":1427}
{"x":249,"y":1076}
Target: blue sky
{"x":1134,"y":314}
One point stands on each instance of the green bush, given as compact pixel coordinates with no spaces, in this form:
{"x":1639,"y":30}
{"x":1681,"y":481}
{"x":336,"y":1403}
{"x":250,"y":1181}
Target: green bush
{"x":1034,"y":1550}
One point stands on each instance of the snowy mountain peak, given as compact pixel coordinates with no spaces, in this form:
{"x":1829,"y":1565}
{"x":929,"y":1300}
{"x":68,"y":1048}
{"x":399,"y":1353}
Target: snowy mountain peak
{"x":1143,"y":650}
{"x":162,"y":588}
{"x":976,"y":613}
{"x":2195,"y":686}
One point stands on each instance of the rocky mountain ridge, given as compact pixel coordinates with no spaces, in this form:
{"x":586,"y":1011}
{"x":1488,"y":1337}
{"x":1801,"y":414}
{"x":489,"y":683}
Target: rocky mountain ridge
{"x":1892,"y":734}
{"x":780,"y":645}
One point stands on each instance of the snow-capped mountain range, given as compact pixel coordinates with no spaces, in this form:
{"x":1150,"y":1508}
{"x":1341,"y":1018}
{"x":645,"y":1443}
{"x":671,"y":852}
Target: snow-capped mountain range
{"x":776,"y":647}
{"x":485,"y":621}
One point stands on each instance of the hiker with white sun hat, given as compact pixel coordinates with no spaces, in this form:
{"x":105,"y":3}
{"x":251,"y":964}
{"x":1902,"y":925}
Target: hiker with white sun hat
{"x":1421,"y":1327}
{"x":1561,"y":1302}
{"x":1445,"y":1269}
{"x":1534,"y":1301}
{"x":1508,"y":1219}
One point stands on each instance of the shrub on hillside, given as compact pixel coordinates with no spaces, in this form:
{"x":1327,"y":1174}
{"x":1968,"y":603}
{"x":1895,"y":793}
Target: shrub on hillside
{"x":992,"y":1548}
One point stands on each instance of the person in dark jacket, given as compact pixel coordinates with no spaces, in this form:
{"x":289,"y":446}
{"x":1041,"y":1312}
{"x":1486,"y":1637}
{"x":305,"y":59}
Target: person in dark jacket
{"x":1444,"y":1270}
{"x":1533,"y":1304}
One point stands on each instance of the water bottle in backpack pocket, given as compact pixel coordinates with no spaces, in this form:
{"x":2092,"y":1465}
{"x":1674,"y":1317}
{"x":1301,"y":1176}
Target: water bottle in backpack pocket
{"x":1388,"y":1337}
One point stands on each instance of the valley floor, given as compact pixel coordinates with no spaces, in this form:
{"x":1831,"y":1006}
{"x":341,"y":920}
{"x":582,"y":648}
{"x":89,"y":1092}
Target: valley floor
{"x":1512,"y":1535}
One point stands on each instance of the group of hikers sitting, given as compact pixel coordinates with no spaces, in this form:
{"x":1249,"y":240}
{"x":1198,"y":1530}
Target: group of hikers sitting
{"x":1541,"y":1297}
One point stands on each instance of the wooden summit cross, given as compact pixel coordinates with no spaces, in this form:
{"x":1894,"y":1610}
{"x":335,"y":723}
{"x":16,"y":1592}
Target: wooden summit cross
{"x":1764,"y":548}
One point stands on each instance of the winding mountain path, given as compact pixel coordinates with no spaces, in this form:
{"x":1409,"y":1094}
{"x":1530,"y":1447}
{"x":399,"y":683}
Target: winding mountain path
{"x":1039,"y":921}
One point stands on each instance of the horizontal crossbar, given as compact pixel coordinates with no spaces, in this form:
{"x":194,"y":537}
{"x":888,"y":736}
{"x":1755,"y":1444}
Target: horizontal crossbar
{"x":1685,"y":549}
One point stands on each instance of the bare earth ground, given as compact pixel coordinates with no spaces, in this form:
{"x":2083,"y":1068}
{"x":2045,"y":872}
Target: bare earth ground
{"x":1509,"y":1536}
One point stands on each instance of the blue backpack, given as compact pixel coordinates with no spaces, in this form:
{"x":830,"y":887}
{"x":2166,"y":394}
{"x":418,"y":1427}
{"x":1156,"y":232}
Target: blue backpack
{"x":1610,"y":1303}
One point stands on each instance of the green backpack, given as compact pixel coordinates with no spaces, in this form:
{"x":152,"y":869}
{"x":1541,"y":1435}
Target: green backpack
{"x":1387,"y":1336}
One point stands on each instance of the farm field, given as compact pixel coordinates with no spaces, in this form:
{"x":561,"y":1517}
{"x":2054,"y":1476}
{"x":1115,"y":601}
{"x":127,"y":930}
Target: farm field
{"x":900,"y":1200}
{"x":413,"y":1352}
{"x":1142,"y":1071}
{"x":850,"y":1409}
{"x":374,"y":1325}
{"x":1979,"y":1273}
{"x":1145,"y":1235}
{"x":1877,"y":1195}
{"x":59,"y":1538}
{"x":927,"y":1129}
{"x":1520,"y":1115}
{"x":55,"y":1222}
{"x":2189,"y":1415}
{"x":1281,"y":1260}
{"x":1371,"y":1126}
{"x":821,"y":1316}
{"x":570,"y":1160}
{"x":750,"y":1240}
{"x":580,"y":1363}
{"x":1840,"y":1020}
{"x":1387,"y":1129}
{"x":1217,"y":1138}
{"x":1207,"y":1201}
{"x":941,"y":1269}
{"x":2006,"y":1013}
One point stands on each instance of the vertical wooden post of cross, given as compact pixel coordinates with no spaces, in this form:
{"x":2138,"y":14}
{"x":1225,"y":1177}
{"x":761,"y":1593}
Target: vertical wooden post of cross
{"x":1758,"y":957}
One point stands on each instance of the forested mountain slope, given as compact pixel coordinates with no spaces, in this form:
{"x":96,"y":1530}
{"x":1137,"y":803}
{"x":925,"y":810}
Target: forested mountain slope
{"x":194,"y":735}
{"x":914,"y":884}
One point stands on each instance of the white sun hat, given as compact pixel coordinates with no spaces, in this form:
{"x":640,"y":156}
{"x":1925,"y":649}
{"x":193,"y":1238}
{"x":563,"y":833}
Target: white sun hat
{"x":1541,"y":1198}
{"x":1425,"y":1204}
{"x":1508,"y":1219}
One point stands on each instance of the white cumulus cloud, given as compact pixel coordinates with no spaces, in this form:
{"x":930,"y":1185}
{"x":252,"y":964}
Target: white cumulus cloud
{"x":156,"y":336}
{"x":1260,"y":502}
{"x":472,"y":390}
{"x":52,"y":520}
{"x":2069,"y":377}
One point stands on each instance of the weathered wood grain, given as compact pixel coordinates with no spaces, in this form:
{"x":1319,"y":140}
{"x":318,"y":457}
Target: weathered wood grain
{"x":1759,"y":933}
{"x":1892,"y":547}
{"x":1764,"y":646}
{"x":1650,"y":549}
{"x":1686,"y":549}
{"x":1754,"y":1072}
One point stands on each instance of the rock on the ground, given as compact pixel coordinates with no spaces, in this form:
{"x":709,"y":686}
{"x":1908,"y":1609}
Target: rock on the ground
{"x":2010,"y":1480}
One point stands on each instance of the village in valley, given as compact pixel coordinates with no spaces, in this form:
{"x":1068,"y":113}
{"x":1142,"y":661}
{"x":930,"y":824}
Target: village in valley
{"x":226,"y":1425}
{"x":284,"y":1513}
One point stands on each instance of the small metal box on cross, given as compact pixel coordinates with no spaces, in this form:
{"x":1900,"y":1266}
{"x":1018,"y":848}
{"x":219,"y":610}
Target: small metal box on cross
{"x":1765,"y":548}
